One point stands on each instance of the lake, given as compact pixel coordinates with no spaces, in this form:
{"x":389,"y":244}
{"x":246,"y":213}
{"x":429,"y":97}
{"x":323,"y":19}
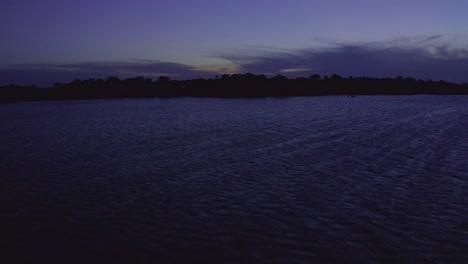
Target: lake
{"x":275,"y":180}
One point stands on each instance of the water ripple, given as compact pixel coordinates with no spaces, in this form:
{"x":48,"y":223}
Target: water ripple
{"x":298,"y":180}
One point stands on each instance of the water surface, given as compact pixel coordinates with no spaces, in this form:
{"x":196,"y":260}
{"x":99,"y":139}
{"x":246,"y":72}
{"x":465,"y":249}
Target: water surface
{"x":277,"y":180}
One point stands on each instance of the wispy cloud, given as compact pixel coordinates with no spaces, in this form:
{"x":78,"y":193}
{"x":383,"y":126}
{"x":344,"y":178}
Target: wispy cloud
{"x":292,"y":70}
{"x":427,"y":57}
{"x":48,"y":74}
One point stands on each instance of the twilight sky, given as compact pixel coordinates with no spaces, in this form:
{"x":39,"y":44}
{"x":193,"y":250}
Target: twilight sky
{"x":48,"y":41}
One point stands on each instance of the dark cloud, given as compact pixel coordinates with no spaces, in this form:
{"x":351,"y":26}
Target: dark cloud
{"x":428,"y":57}
{"x":47,"y":74}
{"x":430,"y":38}
{"x":425,"y":58}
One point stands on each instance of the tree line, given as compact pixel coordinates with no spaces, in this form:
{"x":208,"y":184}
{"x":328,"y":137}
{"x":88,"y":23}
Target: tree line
{"x":235,"y":85}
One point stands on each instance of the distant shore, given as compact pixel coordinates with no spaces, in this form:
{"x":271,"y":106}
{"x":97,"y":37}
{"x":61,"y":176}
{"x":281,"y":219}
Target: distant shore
{"x":230,"y":86}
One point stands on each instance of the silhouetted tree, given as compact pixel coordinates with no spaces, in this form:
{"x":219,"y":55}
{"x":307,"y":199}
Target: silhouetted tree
{"x":163,"y":79}
{"x":336,"y":77}
{"x":235,"y":85}
{"x":315,"y":77}
{"x":112,"y":79}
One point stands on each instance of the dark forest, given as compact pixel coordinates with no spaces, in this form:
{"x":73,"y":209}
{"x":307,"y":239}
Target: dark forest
{"x":230,"y":86}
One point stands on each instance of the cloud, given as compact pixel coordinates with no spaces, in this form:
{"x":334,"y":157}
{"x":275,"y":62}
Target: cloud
{"x":429,"y":57}
{"x":47,"y":74}
{"x":295,"y":70}
{"x":431,"y":38}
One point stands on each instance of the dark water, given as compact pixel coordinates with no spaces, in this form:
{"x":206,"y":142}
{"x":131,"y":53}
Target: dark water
{"x":297,"y":180}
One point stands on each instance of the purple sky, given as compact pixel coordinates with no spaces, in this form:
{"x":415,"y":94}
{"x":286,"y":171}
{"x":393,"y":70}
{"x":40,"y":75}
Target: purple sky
{"x":48,"y":41}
